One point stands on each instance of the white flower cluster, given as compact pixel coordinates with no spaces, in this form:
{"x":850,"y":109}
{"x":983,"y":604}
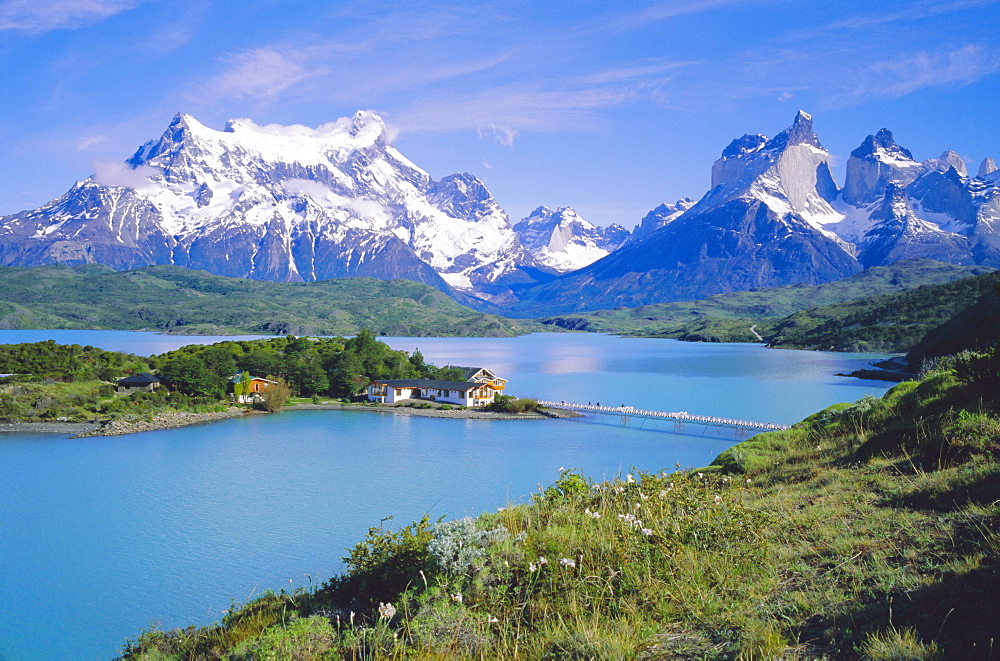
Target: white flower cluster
{"x":635,"y":523}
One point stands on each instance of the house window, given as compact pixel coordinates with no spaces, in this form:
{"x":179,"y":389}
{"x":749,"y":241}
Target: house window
{"x":398,"y":392}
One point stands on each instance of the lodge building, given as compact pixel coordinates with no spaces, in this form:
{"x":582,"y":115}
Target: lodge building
{"x":479,"y":389}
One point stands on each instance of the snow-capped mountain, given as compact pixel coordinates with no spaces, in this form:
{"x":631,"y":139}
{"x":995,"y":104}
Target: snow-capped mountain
{"x":562,"y":241}
{"x":935,"y":210}
{"x":774,"y":216}
{"x":273,"y":202}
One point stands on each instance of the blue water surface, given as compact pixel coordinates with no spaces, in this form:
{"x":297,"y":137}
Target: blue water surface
{"x":100,"y":537}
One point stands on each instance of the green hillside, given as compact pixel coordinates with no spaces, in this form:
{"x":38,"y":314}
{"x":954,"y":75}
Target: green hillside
{"x":175,"y":299}
{"x":729,"y":317}
{"x":894,"y":322}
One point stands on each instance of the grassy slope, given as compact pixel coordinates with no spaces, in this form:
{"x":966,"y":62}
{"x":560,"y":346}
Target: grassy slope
{"x":728,"y":317}
{"x":893,"y":322}
{"x":181,"y":300}
{"x":868,"y":530}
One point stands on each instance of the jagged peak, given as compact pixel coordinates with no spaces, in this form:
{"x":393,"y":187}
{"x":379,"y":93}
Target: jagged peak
{"x":746,"y":144}
{"x":988,"y":166}
{"x":799,"y":133}
{"x":881,"y":143}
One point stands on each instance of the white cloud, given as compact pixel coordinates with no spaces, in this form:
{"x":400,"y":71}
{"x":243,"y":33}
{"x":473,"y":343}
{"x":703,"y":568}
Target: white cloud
{"x":89,"y":141}
{"x":313,"y":189}
{"x":111,"y":173}
{"x":37,"y":16}
{"x":503,"y":134}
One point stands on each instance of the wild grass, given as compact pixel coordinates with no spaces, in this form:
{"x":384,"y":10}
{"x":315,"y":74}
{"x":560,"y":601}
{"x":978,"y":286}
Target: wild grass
{"x":870,"y":530}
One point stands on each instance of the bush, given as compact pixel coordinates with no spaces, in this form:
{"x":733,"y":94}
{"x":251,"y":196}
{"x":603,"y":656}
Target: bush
{"x":508,"y":404}
{"x":271,"y":399}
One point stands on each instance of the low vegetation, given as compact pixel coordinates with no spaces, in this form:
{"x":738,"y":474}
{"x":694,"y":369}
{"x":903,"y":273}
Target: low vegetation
{"x":179,"y":300}
{"x":508,"y":404}
{"x":869,"y":530}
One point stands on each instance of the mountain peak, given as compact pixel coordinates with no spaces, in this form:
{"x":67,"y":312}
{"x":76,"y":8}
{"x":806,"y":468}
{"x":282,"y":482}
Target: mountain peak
{"x":745,"y":145}
{"x":947,"y":160}
{"x":988,"y":166}
{"x":799,"y":133}
{"x":882,"y":143}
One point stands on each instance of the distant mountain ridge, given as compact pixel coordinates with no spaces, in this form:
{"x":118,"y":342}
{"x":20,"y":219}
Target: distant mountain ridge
{"x":292,"y":203}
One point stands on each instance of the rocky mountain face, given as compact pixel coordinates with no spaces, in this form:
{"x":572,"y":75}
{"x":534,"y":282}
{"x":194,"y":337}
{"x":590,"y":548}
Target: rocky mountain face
{"x":562,"y":241}
{"x":774,"y":215}
{"x":659,"y":217}
{"x":285,"y":203}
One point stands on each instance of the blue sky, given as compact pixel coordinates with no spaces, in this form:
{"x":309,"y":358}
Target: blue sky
{"x":610,"y":107}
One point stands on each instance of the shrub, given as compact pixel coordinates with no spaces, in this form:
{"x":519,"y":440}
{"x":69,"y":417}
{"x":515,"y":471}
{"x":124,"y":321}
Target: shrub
{"x":509,"y":404}
{"x":460,"y":546}
{"x":271,"y":399}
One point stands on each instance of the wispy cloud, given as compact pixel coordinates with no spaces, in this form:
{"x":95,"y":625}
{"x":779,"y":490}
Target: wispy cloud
{"x":910,"y":72}
{"x":259,"y":74}
{"x":37,"y":16}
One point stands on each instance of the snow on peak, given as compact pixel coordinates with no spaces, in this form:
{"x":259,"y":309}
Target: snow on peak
{"x":564,"y":241}
{"x":947,"y":160}
{"x":790,"y":173}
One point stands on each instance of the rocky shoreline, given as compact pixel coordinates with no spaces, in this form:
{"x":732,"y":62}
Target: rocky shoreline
{"x":436,"y":413}
{"x":174,"y":419}
{"x":168,"y":420}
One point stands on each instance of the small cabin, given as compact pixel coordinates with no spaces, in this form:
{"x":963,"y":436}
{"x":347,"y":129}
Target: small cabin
{"x":143,"y":382}
{"x":254,"y":386}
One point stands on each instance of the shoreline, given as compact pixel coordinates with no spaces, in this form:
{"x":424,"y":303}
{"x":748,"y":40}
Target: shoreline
{"x":178,"y":419}
{"x":436,"y":413}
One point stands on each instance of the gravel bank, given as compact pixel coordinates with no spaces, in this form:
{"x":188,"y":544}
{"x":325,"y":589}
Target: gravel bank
{"x":161,"y":421}
{"x":50,"y":427}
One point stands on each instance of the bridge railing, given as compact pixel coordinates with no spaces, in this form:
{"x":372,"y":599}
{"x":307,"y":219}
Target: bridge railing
{"x":679,"y":416}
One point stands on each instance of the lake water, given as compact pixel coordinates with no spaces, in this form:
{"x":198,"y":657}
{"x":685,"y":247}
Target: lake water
{"x":99,"y":537}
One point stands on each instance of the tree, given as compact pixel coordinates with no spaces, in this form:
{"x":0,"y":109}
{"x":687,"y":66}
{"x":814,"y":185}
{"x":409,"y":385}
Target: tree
{"x":191,"y":376}
{"x":346,"y":374}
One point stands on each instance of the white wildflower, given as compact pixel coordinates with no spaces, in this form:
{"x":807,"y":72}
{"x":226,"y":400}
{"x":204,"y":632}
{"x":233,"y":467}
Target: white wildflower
{"x":386,"y":610}
{"x":644,"y":496}
{"x":500,"y":509}
{"x":532,"y":566}
{"x":542,"y":560}
{"x":630,"y":479}
{"x":663,"y":494}
{"x":701,"y":475}
{"x":491,"y":619}
{"x":718,"y":499}
{"x":748,"y":480}
{"x":647,"y":532}
{"x":568,"y":562}
{"x":457,"y":597}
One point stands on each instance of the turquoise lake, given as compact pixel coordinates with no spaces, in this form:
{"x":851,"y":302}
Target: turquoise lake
{"x":100,"y":537}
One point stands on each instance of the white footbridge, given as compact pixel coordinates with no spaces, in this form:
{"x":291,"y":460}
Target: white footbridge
{"x":628,"y":414}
